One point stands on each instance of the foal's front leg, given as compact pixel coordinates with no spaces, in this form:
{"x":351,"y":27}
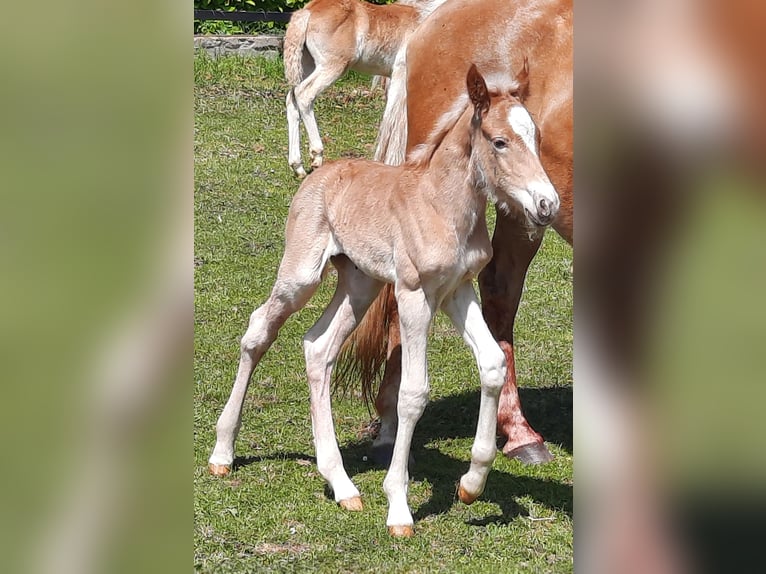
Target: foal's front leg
{"x":415,"y":314}
{"x":464,"y":310}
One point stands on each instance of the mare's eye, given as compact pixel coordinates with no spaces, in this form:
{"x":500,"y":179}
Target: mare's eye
{"x":499,"y":143}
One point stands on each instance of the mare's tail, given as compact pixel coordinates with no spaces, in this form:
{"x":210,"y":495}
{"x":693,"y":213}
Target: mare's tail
{"x":364,"y":352}
{"x":392,"y":135}
{"x":294,"y":46}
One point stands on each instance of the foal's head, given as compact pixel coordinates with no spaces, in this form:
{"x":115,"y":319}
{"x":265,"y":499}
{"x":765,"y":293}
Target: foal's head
{"x":505,"y":151}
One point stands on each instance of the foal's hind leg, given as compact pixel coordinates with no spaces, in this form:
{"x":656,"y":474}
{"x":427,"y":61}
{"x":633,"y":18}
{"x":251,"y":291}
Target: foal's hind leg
{"x":298,"y":277}
{"x":324,"y":76}
{"x":353,"y":295}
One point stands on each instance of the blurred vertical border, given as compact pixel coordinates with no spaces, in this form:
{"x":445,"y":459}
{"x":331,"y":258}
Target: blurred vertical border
{"x":96,"y":315}
{"x":670,"y":277}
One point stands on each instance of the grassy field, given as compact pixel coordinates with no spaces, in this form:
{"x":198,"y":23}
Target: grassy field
{"x":274,"y":513}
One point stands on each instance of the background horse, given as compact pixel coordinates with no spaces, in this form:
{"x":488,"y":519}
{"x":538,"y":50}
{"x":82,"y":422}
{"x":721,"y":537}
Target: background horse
{"x":497,"y":35}
{"x":421,"y":227}
{"x":328,"y":37}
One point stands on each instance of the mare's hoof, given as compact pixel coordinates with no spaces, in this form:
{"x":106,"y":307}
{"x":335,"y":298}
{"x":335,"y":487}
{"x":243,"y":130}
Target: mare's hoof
{"x":532,"y":453}
{"x":401,"y":531}
{"x":219,"y":469}
{"x":381,"y":455}
{"x":354,"y":504}
{"x":464,"y":497}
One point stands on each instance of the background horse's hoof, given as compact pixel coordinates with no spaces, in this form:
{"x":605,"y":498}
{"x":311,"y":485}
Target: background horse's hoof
{"x":354,"y":504}
{"x":401,"y":531}
{"x":464,"y":497}
{"x":219,"y":469}
{"x":533,"y":453}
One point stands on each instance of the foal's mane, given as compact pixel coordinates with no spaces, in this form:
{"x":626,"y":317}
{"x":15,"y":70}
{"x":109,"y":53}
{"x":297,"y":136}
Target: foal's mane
{"x":422,"y":153}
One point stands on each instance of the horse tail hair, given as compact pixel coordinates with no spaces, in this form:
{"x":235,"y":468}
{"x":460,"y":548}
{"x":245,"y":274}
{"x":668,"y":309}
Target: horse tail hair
{"x":294,"y":45}
{"x":392,"y":135}
{"x":364,"y":353}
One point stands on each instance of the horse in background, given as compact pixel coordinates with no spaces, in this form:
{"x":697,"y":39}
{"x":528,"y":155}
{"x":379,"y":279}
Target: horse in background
{"x":425,"y":83}
{"x":422,"y":228}
{"x":328,"y":37}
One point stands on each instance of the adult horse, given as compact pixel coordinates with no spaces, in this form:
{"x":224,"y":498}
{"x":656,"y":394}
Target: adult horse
{"x":427,"y":80}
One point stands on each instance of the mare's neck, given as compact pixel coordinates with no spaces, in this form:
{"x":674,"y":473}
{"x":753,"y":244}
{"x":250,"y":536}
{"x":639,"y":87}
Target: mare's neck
{"x":452,"y":181}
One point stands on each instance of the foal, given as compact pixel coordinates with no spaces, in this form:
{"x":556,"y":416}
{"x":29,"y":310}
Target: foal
{"x":328,"y":37}
{"x":421,"y":227}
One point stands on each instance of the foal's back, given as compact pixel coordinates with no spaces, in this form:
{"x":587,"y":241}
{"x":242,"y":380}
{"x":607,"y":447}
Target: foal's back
{"x":374,"y":213}
{"x":368,"y":35}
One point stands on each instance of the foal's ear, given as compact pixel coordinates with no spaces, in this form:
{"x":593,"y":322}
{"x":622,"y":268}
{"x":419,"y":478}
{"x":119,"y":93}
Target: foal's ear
{"x":477,"y":91}
{"x":522,"y":78}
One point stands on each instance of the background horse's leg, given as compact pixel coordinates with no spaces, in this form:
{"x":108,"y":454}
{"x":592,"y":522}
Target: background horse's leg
{"x":353,"y":295}
{"x":464,"y":310}
{"x":415,"y":318}
{"x":294,"y":135}
{"x":324,"y":76}
{"x":501,"y":284}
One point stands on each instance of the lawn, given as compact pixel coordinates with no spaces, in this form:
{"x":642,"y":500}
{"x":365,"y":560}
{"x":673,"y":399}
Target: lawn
{"x":274,"y":513}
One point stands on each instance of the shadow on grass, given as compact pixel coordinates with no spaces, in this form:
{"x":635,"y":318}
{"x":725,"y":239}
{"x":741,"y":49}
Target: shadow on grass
{"x":549,"y":410}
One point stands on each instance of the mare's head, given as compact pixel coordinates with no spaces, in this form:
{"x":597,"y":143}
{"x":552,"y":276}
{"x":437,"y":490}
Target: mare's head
{"x":505,"y":151}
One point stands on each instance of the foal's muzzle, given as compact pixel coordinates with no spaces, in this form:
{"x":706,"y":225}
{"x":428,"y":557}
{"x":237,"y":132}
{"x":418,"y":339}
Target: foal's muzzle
{"x":545,"y":205}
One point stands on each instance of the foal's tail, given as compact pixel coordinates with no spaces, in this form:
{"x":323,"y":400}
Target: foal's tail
{"x":364,"y":353}
{"x":294,"y":45}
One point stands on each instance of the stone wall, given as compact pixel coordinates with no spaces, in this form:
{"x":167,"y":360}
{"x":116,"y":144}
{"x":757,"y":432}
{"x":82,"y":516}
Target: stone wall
{"x":269,"y":46}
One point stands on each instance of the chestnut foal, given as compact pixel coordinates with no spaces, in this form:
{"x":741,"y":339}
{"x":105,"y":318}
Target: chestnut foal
{"x":421,"y":227}
{"x":328,"y":37}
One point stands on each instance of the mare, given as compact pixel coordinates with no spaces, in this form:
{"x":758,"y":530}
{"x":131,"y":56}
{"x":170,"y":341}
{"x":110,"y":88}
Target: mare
{"x":328,"y":37}
{"x":422,"y":228}
{"x":426,"y":82}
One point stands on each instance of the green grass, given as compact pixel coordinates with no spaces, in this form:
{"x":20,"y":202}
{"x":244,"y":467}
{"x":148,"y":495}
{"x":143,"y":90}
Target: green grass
{"x":274,"y":512}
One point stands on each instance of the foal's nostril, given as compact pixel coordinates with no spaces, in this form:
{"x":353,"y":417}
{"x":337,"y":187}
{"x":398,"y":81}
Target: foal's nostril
{"x":545,"y":207}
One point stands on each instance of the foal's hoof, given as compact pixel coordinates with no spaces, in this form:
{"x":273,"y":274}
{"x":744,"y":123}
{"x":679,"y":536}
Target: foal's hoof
{"x":401,"y":531}
{"x":354,"y":504}
{"x":464,"y":497}
{"x":532,"y":453}
{"x":219,"y":469}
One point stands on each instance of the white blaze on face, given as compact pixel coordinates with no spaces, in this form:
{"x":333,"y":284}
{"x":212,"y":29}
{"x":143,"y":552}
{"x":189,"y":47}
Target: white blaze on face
{"x":521,"y":122}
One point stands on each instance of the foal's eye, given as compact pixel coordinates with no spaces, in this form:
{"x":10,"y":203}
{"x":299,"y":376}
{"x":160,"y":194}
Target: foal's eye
{"x":499,"y":143}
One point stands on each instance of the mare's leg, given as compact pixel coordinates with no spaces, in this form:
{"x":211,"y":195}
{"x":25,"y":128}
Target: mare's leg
{"x":388,"y":393}
{"x":354,"y":294}
{"x":501,"y":283}
{"x":294,"y":135}
{"x":299,"y":275}
{"x":415,"y":318}
{"x":324,"y":76}
{"x":464,"y":310}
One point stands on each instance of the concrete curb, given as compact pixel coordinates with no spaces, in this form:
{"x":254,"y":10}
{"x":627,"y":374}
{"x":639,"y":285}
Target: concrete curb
{"x":269,"y":46}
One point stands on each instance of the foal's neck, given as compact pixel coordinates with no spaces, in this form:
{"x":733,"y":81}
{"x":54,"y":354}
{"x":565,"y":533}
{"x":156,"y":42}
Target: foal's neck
{"x":452,"y":183}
